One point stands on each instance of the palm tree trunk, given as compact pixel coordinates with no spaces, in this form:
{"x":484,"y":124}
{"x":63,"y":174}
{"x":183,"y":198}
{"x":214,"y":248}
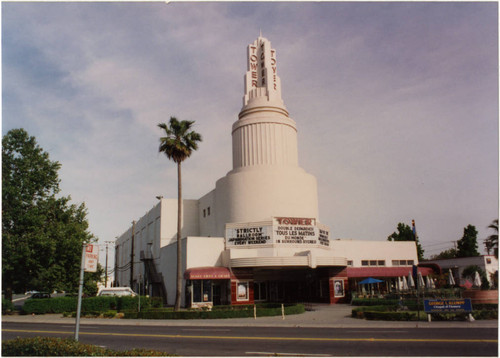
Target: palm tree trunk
{"x":178,"y":292}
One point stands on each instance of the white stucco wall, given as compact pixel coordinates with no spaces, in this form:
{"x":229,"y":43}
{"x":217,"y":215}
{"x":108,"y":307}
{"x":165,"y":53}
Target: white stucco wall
{"x":190,"y":225}
{"x":204,"y":251}
{"x":168,"y":267}
{"x":207,"y":215}
{"x":358,"y":250}
{"x":156,"y":229}
{"x":259,"y":194}
{"x":196,"y":252}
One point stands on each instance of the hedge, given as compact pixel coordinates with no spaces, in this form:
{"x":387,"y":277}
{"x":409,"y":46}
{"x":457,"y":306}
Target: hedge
{"x":7,"y":306}
{"x":230,"y":312}
{"x":384,"y":314}
{"x":91,"y":304}
{"x":52,"y":347}
{"x":374,"y":302}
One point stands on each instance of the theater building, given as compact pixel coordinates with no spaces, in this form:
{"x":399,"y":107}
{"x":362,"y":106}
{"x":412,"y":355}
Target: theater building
{"x":257,"y":235}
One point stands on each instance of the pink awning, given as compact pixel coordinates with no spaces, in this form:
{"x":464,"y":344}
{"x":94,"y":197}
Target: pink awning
{"x":207,"y":273}
{"x":353,"y":272}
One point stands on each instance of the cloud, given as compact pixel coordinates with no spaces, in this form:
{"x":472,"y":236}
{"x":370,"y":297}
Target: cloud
{"x":396,"y":103}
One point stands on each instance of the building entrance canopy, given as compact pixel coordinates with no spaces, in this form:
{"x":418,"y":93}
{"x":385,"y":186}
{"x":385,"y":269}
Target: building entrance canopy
{"x":207,"y":273}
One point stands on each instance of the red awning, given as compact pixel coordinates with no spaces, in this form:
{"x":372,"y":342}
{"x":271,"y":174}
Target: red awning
{"x":207,"y":273}
{"x":384,"y":271}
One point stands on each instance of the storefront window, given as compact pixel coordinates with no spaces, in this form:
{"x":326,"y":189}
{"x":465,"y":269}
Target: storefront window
{"x":202,"y":290}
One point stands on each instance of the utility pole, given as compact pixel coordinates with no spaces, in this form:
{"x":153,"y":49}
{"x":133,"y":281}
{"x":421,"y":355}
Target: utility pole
{"x":132,"y":257}
{"x":117,"y":284}
{"x":106,"y":272}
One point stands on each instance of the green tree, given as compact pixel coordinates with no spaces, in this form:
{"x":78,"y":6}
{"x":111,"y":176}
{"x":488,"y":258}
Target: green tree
{"x":491,"y":242}
{"x":467,"y":245}
{"x":405,"y":233}
{"x":42,"y":235}
{"x":178,"y":144}
{"x":91,"y":279}
{"x":469,"y":273}
{"x":446,"y":254}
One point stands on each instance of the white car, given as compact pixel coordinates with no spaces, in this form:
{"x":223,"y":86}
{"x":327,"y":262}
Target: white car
{"x":116,"y":291}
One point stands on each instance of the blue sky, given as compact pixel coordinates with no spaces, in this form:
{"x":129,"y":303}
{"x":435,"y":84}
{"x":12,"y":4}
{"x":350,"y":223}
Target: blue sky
{"x":396,"y":104}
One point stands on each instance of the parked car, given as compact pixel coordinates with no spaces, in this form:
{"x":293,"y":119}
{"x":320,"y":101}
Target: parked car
{"x":116,"y":291}
{"x":40,"y":295}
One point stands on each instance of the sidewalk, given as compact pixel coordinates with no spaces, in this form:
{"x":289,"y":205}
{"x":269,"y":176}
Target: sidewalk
{"x":323,"y":316}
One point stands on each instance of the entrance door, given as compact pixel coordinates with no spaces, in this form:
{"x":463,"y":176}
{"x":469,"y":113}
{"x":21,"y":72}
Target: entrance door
{"x":216,"y":294}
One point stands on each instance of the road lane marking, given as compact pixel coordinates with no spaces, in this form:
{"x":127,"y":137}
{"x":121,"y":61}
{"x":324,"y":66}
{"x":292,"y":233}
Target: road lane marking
{"x":312,"y":339}
{"x":205,"y":330}
{"x":273,"y":354}
{"x":371,"y":331}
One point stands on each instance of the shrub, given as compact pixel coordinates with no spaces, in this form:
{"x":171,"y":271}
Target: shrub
{"x":485,"y":314}
{"x":385,"y":313}
{"x":109,"y":314}
{"x":373,"y":301}
{"x":485,"y":306}
{"x":390,"y":316}
{"x":51,"y":346}
{"x":100,"y":304}
{"x":219,"y":312}
{"x":91,"y":304}
{"x":49,"y":305}
{"x":7,"y":306}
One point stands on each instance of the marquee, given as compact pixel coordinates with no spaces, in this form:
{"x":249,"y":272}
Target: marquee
{"x":281,"y":231}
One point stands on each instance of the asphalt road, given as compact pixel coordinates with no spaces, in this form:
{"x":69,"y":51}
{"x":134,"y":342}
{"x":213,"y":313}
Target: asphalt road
{"x":265,"y":341}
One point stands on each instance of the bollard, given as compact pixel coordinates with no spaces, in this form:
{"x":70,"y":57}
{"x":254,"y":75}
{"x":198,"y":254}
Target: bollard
{"x":282,"y":311}
{"x":254,"y":312}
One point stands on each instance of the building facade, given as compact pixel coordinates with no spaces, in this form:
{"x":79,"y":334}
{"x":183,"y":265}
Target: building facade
{"x":257,"y":236}
{"x":487,"y":263}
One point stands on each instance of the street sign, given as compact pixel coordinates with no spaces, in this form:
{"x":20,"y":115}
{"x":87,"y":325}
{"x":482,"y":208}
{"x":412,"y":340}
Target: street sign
{"x":448,"y":305}
{"x":91,"y":258}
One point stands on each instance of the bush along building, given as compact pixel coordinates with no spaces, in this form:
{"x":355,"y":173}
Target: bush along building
{"x":257,"y":235}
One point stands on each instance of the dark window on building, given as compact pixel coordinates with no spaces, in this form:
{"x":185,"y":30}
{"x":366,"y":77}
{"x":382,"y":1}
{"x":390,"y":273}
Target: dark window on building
{"x":208,"y":211}
{"x":202,"y":291}
{"x":260,"y":291}
{"x":204,"y":213}
{"x":381,"y":263}
{"x":364,"y":262}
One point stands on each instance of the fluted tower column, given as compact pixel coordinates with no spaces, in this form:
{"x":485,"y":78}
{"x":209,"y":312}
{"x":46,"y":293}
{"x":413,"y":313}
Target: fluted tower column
{"x":264,"y":133}
{"x":266,"y":179}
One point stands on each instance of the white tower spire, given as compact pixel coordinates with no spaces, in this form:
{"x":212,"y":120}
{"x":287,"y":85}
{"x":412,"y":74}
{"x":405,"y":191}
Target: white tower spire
{"x":261,"y":79}
{"x":266,"y":180}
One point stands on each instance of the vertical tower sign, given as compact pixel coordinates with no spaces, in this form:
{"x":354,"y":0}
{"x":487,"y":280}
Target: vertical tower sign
{"x":261,"y":79}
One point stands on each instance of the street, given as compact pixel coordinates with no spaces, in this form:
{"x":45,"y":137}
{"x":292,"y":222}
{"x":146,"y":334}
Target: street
{"x":264,"y":341}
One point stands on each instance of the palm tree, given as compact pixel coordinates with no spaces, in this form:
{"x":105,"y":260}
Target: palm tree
{"x":178,"y":144}
{"x":491,"y":241}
